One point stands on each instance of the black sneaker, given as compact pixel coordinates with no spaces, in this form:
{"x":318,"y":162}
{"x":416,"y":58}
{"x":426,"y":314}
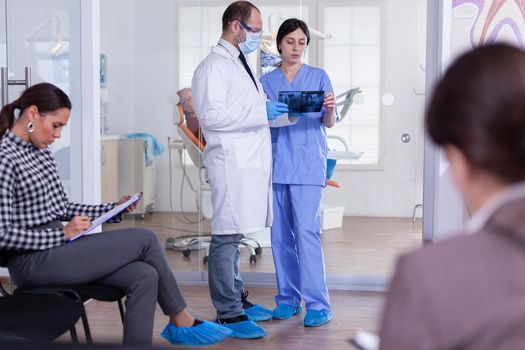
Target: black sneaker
{"x":244,"y":300}
{"x":255,"y":312}
{"x":230,"y":320}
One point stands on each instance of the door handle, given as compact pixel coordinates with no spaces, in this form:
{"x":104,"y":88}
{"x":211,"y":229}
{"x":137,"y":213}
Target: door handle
{"x":6,"y":82}
{"x":27,"y":72}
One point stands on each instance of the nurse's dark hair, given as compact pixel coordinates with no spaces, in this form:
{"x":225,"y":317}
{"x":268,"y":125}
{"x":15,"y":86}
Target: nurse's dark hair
{"x":238,"y":10}
{"x":291,"y":25}
{"x":479,"y":107}
{"x":45,"y":96}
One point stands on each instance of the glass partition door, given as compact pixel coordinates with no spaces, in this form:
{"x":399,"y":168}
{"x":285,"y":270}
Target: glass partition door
{"x":41,"y":43}
{"x":376,"y":61}
{"x":374,"y":54}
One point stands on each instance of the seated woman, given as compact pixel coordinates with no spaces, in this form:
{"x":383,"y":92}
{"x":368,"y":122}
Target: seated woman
{"x":467,"y":292}
{"x":33,"y":205}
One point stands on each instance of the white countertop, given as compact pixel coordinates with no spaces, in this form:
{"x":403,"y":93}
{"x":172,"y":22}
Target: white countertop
{"x":110,"y":137}
{"x":344,"y":155}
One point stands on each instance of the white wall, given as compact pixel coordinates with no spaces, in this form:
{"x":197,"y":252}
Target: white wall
{"x":117,"y":42}
{"x":139,"y":38}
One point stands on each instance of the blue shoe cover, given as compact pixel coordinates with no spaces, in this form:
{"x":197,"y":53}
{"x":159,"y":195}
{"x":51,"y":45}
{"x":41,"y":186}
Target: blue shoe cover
{"x":258,"y":313}
{"x":284,"y":311}
{"x":205,"y":333}
{"x":316,"y":318}
{"x":245,"y":330}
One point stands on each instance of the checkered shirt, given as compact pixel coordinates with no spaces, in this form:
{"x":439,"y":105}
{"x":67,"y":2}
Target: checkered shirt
{"x":31,"y":195}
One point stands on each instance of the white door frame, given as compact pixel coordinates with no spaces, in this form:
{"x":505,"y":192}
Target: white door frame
{"x":3,"y":14}
{"x":90,"y":68}
{"x":443,"y":207}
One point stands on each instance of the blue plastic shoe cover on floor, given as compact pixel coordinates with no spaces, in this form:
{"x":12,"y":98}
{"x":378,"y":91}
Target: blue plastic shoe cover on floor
{"x":205,"y":333}
{"x":316,"y":318}
{"x":284,"y":311}
{"x":258,"y":313}
{"x":245,"y":330}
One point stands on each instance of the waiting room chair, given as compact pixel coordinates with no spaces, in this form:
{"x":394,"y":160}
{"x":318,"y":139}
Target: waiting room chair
{"x":37,"y":317}
{"x":80,"y":294}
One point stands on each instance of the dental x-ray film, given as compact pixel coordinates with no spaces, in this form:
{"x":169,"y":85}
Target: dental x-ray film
{"x":302,"y":101}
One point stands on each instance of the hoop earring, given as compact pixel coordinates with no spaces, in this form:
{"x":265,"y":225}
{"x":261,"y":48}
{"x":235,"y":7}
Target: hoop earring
{"x":30,"y":127}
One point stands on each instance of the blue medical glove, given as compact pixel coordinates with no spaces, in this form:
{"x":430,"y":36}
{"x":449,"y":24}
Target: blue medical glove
{"x":275,"y":109}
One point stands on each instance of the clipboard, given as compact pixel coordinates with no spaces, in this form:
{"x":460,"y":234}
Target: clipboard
{"x":108,"y":215}
{"x":364,"y":340}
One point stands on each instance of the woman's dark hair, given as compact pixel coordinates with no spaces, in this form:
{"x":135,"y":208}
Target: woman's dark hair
{"x":238,"y":10}
{"x":46,"y":97}
{"x":288,"y":26}
{"x":479,"y":107}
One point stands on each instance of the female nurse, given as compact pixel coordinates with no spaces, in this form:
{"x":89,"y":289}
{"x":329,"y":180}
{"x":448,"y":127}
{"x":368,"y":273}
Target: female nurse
{"x":299,"y":176}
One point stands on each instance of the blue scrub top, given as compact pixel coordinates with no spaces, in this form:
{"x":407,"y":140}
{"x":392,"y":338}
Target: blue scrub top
{"x":299,"y":151}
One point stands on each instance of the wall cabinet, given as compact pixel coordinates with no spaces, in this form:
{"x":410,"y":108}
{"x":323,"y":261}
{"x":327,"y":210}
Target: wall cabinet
{"x":125,"y":170}
{"x":136,"y":174}
{"x":109,"y":170}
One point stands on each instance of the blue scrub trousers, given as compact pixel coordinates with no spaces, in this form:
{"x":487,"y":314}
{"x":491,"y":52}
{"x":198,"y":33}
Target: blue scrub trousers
{"x":296,"y":246}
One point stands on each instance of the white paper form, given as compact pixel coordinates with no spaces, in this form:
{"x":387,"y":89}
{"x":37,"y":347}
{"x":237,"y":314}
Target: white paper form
{"x":109,"y":214}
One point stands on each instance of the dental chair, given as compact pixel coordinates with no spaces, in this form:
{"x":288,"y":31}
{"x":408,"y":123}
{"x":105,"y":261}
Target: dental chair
{"x":194,"y":147}
{"x":346,"y":100}
{"x":332,"y":215}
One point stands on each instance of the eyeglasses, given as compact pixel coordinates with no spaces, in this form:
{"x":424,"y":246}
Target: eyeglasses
{"x":251,"y":30}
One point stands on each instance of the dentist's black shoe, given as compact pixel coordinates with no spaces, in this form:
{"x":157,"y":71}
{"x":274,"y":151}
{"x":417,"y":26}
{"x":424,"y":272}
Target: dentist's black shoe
{"x":255,"y":312}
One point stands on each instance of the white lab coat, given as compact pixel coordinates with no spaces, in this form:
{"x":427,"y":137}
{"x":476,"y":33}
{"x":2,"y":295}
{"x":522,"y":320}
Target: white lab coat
{"x":238,"y":153}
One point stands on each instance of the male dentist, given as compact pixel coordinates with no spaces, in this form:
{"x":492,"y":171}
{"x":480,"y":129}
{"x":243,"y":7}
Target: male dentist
{"x":233,"y":113}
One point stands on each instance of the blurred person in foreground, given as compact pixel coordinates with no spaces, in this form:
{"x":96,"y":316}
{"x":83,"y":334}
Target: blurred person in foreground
{"x":468,"y":292}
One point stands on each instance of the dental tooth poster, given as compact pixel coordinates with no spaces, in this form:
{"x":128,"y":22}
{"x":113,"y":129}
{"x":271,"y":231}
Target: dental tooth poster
{"x":302,"y":101}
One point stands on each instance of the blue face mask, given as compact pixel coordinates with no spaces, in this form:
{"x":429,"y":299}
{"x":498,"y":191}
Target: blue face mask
{"x":251,"y":44}
{"x":253,"y":39}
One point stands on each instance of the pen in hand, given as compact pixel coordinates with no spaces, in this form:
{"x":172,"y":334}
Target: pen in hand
{"x":76,"y":226}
